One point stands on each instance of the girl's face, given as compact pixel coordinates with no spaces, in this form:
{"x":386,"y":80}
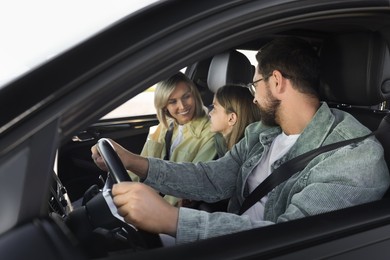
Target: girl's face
{"x":221,"y":122}
{"x":181,"y":104}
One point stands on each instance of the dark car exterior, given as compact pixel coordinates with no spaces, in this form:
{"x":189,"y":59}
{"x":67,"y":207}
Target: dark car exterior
{"x":44,"y":109}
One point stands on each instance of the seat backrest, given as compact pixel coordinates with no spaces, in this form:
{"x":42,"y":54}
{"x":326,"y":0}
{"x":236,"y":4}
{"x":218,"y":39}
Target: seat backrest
{"x":355,"y":71}
{"x":231,"y":67}
{"x":383,"y":136}
{"x":360,"y":63}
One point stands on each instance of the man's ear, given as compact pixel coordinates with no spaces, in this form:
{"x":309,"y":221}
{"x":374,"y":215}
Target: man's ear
{"x":232,"y":119}
{"x":279,"y":82}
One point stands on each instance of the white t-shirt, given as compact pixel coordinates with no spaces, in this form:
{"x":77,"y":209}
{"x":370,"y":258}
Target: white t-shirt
{"x":279,"y":147}
{"x":178,"y":139}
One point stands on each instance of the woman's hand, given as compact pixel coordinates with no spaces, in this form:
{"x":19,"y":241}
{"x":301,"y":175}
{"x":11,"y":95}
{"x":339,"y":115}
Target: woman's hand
{"x":122,"y":153}
{"x":132,"y":162}
{"x":141,"y":206}
{"x":97,"y":158}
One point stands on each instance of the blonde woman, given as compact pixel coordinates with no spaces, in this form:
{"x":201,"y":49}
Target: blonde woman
{"x":179,"y":107}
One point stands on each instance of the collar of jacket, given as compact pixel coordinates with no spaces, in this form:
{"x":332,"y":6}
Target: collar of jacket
{"x":312,"y":136}
{"x":196,"y":126}
{"x":315,"y":133}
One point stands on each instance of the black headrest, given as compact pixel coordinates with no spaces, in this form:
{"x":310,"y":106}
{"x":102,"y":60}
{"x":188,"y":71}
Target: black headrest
{"x":198,"y":73}
{"x":355,"y":69}
{"x":229,"y":68}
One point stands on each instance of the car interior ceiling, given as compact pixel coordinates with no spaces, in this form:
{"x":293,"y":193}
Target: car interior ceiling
{"x":358,"y":61}
{"x":355,"y":69}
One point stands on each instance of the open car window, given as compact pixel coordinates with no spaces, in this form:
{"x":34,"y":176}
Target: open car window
{"x":144,"y":102}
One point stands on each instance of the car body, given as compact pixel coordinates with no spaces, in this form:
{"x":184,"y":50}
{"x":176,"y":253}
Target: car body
{"x":52,"y":115}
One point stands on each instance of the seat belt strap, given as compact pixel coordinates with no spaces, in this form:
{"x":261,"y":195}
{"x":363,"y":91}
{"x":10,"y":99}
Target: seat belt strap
{"x":168,"y":140}
{"x":287,"y":169}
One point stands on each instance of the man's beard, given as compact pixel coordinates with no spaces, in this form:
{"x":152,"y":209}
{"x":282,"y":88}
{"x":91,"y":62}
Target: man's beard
{"x":268,"y":114}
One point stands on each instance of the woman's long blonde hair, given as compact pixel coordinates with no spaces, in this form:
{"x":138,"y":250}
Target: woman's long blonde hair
{"x":163,"y":91}
{"x":237,"y":99}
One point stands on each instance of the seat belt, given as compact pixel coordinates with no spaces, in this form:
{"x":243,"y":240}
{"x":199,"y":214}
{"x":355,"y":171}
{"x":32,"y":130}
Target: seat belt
{"x":287,"y":169}
{"x":168,"y":140}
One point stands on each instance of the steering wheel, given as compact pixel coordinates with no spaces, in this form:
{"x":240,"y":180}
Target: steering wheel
{"x":112,"y":161}
{"x":84,"y":221}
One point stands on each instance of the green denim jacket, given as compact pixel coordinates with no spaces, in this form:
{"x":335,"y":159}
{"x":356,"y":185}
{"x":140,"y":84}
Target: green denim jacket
{"x":345,"y":177}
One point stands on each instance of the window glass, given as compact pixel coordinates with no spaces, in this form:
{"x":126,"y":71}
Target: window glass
{"x":251,"y":55}
{"x":142,"y":104}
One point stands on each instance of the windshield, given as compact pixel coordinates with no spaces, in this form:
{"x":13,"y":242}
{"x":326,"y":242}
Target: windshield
{"x":33,"y":32}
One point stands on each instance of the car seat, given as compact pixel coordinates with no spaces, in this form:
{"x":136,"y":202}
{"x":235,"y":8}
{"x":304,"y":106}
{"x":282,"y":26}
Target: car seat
{"x":230,"y":67}
{"x":198,"y":72}
{"x":355,"y":69}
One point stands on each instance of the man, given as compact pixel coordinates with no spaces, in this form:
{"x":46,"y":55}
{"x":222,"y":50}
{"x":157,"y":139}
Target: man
{"x":294,"y":121}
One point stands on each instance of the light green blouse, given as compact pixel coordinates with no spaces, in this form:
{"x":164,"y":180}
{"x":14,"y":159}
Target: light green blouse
{"x":197,"y":145}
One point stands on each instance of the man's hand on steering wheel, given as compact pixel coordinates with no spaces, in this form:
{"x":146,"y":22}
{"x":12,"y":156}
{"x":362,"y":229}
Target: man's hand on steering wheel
{"x":139,"y":204}
{"x":143,"y":207}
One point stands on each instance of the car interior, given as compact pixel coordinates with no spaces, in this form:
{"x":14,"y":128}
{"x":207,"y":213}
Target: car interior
{"x":354,"y":61}
{"x":355,"y":72}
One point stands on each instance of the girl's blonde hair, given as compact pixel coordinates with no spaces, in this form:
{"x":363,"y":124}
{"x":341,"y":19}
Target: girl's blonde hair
{"x":165,"y":88}
{"x":237,"y":99}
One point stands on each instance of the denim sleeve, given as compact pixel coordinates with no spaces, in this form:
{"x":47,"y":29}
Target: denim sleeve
{"x":194,"y":225}
{"x":208,"y":181}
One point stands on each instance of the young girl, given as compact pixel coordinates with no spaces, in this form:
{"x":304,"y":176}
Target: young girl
{"x":233,"y":109}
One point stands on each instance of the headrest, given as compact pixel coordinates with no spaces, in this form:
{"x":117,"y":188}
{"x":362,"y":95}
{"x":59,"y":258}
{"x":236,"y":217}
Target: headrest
{"x":355,"y":69}
{"x":198,"y":73}
{"x":229,"y":68}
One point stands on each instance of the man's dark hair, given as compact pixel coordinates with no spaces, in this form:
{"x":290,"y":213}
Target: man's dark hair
{"x":295,"y":58}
